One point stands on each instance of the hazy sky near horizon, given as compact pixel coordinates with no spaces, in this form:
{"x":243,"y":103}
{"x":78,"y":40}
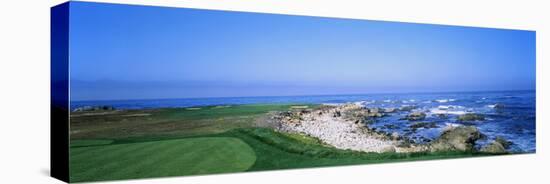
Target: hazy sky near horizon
{"x":141,"y":52}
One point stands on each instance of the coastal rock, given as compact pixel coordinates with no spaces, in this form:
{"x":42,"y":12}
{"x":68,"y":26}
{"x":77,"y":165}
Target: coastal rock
{"x":499,"y":145}
{"x":395,"y":136}
{"x":461,"y":138}
{"x":416,"y":116}
{"x":341,"y":128}
{"x":442,"y":116}
{"x":407,"y":108}
{"x":505,"y":143}
{"x":417,"y":125}
{"x":494,"y":147}
{"x":377,"y":115}
{"x":337,"y":114}
{"x":471,"y":117}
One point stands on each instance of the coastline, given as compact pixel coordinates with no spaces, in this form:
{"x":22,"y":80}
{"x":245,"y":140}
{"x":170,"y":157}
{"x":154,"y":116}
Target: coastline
{"x":280,"y":137}
{"x":342,"y":126}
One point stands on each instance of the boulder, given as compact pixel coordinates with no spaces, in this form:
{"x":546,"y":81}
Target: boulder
{"x":377,"y":115}
{"x":395,"y":136}
{"x":461,"y":138}
{"x":416,"y":116}
{"x":442,"y":116}
{"x":471,"y":117}
{"x":505,"y":143}
{"x":494,"y":147}
{"x":417,"y":125}
{"x":499,"y":145}
{"x":337,"y":114}
{"x":407,"y":108}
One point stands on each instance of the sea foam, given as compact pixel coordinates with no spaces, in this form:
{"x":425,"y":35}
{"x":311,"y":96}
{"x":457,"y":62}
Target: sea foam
{"x":445,"y":100}
{"x":448,"y":109}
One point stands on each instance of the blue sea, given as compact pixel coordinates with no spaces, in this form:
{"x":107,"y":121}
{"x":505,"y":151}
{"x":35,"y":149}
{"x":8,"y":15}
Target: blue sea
{"x":508,"y":114}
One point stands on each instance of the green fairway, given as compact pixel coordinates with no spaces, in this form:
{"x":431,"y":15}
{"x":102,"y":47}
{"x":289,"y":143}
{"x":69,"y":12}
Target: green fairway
{"x":170,"y":122}
{"x":176,"y":157}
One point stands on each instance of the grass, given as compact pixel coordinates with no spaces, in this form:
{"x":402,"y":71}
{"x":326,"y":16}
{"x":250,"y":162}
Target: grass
{"x":213,"y":139}
{"x":275,"y":150}
{"x":90,"y":142}
{"x":160,"y":158}
{"x":213,"y":112}
{"x":169,"y":121}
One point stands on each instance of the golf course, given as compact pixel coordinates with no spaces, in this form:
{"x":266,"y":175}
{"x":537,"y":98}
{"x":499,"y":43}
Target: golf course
{"x":128,"y":144}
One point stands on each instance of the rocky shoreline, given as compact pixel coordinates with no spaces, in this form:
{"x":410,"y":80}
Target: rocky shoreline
{"x":346,"y":127}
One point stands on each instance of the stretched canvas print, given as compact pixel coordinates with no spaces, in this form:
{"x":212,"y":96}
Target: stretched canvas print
{"x":144,"y":91}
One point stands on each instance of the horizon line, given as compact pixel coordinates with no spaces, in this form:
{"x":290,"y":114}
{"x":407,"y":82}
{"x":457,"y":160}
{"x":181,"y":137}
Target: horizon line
{"x":348,"y":94}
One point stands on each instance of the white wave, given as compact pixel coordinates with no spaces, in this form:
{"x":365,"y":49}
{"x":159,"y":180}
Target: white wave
{"x":440,"y":111}
{"x":445,"y":100}
{"x":492,"y":106}
{"x":387,"y":101}
{"x":360,"y":103}
{"x":446,"y":107}
{"x":363,"y":103}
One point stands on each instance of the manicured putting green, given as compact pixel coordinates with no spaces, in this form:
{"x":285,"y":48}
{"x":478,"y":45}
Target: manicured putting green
{"x":177,"y":157}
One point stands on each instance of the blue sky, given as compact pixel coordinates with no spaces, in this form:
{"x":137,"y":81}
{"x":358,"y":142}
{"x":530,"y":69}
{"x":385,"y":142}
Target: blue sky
{"x":141,"y":52}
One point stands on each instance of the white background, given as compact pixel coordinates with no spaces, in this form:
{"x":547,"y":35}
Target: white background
{"x":24,"y":90}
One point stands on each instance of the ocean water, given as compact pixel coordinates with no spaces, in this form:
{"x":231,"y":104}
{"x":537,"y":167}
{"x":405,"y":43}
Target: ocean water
{"x":508,"y":114}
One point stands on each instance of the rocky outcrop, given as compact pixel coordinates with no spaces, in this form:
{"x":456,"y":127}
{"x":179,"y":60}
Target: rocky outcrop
{"x":339,"y":126}
{"x":407,"y":108}
{"x":417,"y":125}
{"x":499,"y":146}
{"x":416,"y":116}
{"x":494,"y":147}
{"x":346,"y":127}
{"x":461,"y":138}
{"x":471,"y":117}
